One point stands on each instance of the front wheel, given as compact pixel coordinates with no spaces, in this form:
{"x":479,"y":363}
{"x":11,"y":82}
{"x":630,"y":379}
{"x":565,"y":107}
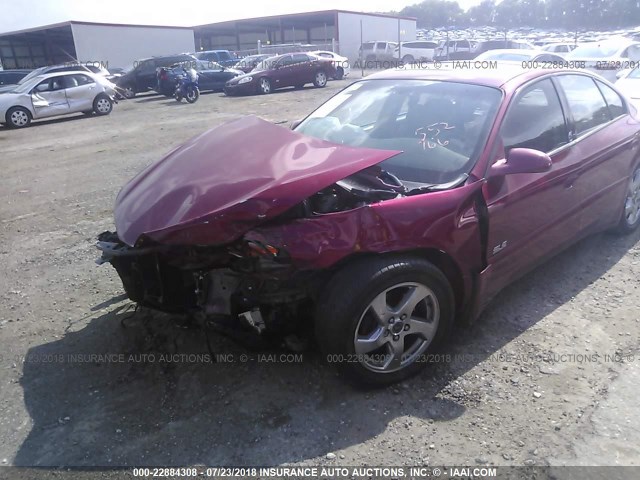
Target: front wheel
{"x":264,"y":86}
{"x":320,"y":79}
{"x":128,"y":92}
{"x":102,"y":105}
{"x":379,"y":318}
{"x":339,"y":73}
{"x":18,"y":117}
{"x":631,"y":208}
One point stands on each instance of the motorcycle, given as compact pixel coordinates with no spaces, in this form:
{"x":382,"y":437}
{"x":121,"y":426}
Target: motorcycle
{"x":187,"y":86}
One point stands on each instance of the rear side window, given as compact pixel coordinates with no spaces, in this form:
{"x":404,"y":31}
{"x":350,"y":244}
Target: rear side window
{"x":300,"y":58}
{"x":587,"y":105}
{"x":77,"y":80}
{"x":615,"y":103}
{"x":535,"y":120}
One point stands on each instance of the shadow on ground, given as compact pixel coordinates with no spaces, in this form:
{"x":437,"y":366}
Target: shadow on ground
{"x":133,"y":409}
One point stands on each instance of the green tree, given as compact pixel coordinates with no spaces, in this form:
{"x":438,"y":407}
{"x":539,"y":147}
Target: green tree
{"x":435,"y":13}
{"x":482,"y":14}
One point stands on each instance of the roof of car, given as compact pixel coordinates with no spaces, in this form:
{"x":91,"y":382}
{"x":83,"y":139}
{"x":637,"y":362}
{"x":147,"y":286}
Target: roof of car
{"x":44,"y":76}
{"x":490,"y":77}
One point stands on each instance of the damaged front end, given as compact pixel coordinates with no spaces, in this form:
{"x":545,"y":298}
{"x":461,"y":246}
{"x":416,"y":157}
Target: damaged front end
{"x":246,"y":280}
{"x":183,"y":242}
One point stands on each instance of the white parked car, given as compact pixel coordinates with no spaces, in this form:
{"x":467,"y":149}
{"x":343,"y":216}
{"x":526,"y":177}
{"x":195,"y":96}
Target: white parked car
{"x":420,"y":50}
{"x":341,"y":63}
{"x":607,"y":57}
{"x":561,"y":49}
{"x":629,"y":84}
{"x":56,"y":94}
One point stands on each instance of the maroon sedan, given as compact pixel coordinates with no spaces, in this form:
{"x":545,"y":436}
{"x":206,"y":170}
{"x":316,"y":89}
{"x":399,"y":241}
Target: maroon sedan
{"x":406,"y":201}
{"x":290,"y":70}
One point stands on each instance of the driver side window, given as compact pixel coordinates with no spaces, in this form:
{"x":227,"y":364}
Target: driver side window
{"x":535,"y":120}
{"x":43,"y":86}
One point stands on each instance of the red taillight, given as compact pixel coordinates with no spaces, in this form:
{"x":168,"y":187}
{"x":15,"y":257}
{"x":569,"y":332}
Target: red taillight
{"x":163,"y":74}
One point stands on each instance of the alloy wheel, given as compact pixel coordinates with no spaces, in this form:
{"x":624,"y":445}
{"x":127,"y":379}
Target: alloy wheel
{"x":265,"y":85}
{"x":632,"y":202}
{"x":397,"y":327}
{"x":321,"y":79}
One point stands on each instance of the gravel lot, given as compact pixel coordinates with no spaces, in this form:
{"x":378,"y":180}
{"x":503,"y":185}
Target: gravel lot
{"x":549,"y":375}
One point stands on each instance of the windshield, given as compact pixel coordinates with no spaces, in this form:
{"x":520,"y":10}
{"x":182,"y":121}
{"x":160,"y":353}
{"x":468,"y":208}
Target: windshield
{"x":601,"y":50}
{"x":440,"y":127}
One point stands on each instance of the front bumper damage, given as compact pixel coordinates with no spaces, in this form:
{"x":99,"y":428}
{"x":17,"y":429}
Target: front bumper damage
{"x":249,"y":284}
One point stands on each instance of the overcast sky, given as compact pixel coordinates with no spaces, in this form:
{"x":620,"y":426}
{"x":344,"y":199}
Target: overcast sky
{"x":19,"y":14}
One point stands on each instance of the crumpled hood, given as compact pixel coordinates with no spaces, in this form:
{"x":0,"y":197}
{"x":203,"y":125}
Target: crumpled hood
{"x":222,"y":183}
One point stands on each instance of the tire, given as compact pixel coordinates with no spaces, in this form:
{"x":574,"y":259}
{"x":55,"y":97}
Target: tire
{"x":320,"y":79}
{"x":408,"y":59}
{"x":102,"y":105}
{"x":345,"y":317}
{"x":18,"y":117}
{"x":339,"y":73}
{"x":128,"y":92}
{"x":193,"y":94}
{"x":264,"y":86}
{"x":630,"y":217}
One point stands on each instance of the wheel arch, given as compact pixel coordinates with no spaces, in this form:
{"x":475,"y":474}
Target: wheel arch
{"x":30,"y":111}
{"x":440,"y":259}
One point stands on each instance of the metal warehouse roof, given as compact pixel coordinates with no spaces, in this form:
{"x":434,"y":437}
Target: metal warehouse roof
{"x":68,"y":23}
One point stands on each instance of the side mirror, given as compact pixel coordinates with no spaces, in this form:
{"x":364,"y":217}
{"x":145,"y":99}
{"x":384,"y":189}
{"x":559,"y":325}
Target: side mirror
{"x":521,"y":160}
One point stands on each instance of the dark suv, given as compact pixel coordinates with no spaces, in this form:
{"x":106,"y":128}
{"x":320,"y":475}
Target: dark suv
{"x":142,"y":77}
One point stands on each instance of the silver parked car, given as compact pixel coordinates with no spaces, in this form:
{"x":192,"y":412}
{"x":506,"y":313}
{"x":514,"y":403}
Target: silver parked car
{"x":56,"y":94}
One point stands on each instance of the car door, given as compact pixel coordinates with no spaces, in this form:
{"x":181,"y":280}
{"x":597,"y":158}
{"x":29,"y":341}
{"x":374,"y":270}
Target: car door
{"x":302,"y":69}
{"x":281,"y":75}
{"x":531,"y":215}
{"x":215,"y":76}
{"x":146,"y":76}
{"x":606,"y":143}
{"x":80,"y":90}
{"x":49,"y":98}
